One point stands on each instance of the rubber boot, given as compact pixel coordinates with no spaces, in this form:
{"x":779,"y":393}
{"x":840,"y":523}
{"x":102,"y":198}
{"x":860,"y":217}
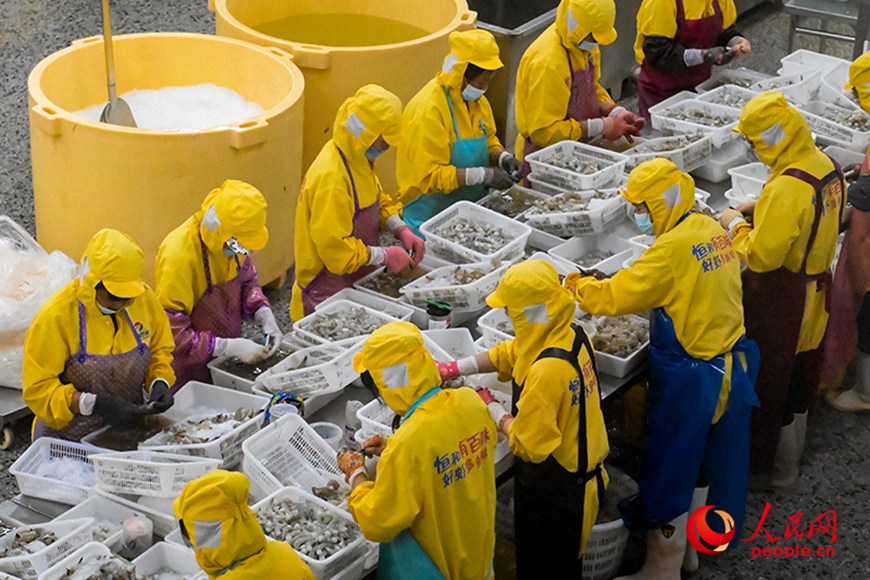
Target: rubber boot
{"x":786,"y":461}
{"x":699,"y":500}
{"x":858,"y":397}
{"x":800,"y":432}
{"x":665,"y":549}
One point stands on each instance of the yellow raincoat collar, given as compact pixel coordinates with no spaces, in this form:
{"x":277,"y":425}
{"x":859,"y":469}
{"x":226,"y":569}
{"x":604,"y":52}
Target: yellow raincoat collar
{"x":777,"y":131}
{"x":216,"y":507}
{"x":539,"y":307}
{"x":372,"y":112}
{"x":235,"y":209}
{"x":113,"y":258}
{"x":859,"y":79}
{"x":477,"y":47}
{"x":576,"y":19}
{"x":399,"y":364}
{"x":668,"y":192}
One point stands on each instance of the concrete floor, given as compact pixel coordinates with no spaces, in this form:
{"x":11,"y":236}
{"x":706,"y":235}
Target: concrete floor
{"x":836,"y":470}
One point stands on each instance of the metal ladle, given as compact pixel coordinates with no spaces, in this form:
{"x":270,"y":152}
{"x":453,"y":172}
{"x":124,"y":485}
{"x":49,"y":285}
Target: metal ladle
{"x":117,"y":111}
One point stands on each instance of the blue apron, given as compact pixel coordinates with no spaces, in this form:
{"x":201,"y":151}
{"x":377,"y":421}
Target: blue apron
{"x":683,"y":394}
{"x":465,"y":153}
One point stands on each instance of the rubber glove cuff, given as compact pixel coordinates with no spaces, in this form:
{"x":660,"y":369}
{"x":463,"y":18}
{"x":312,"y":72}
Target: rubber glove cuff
{"x":394,"y":223}
{"x":735,"y":221}
{"x":377,"y":256}
{"x":146,"y":393}
{"x":594,"y":127}
{"x":497,"y":412}
{"x":617,"y":111}
{"x":475,"y":175}
{"x":693,"y":57}
{"x":86,"y":404}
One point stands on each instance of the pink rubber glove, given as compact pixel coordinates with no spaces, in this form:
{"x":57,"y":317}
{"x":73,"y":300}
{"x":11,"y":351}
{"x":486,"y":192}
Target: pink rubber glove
{"x":397,"y":259}
{"x":632,"y":119}
{"x":448,"y":371}
{"x":486,"y":395}
{"x":413,"y":243}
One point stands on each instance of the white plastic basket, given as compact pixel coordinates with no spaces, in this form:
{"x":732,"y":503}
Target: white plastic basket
{"x":303,"y":326}
{"x":730,"y":96}
{"x":489,"y":324}
{"x":491,"y":200}
{"x":802,"y":60}
{"x":797,"y":88}
{"x":576,"y":248}
{"x":515,"y":231}
{"x":484,"y":343}
{"x":289,"y":452}
{"x":455,"y":342}
{"x":71,"y":535}
{"x":329,"y":369}
{"x":686,"y":158}
{"x":46,"y":449}
{"x":378,"y":302}
{"x":740,"y":77}
{"x":467,"y":296}
{"x":148,"y":473}
{"x":228,"y":447}
{"x":641,"y":243}
{"x":102,"y":509}
{"x":338,"y":562}
{"x":543,"y":187}
{"x":163,"y":523}
{"x":748,"y":180}
{"x":223,"y":378}
{"x":607,"y":540}
{"x":844,"y":156}
{"x":715,"y":169}
{"x":831,"y":132}
{"x":576,"y":223}
{"x":620,"y":367}
{"x":376,"y":418}
{"x":543,"y":170}
{"x":664,"y":120}
{"x":166,"y":556}
{"x":831,"y":87}
{"x":87,"y":553}
{"x":398,"y":310}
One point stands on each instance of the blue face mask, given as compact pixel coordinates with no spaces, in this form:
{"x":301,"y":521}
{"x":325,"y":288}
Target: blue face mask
{"x":643,"y":221}
{"x":472,"y":93}
{"x":372,"y":153}
{"x":587,"y":45}
{"x":228,"y":252}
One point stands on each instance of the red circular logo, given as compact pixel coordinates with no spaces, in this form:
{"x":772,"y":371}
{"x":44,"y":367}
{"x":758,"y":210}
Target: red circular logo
{"x":702,"y":537}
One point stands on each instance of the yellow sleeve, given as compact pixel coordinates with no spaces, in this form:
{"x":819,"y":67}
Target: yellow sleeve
{"x":777,"y":224}
{"x":175,"y":286}
{"x":331,"y":226}
{"x":657,"y":18}
{"x":388,"y":505}
{"x":644,"y":285}
{"x":534,"y":433}
{"x":432,"y":147}
{"x":160,"y":342}
{"x":547,"y":94}
{"x":504,"y":357}
{"x":729,"y":13}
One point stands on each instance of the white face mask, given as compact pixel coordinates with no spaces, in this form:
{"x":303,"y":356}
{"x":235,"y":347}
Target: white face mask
{"x":587,"y":45}
{"x":472,"y":93}
{"x":107,"y":311}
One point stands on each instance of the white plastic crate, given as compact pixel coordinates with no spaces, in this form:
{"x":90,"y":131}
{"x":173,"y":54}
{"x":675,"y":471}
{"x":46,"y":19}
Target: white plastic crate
{"x":831,"y":132}
{"x":71,"y":535}
{"x":148,"y":473}
{"x":394,"y":306}
{"x":543,"y":170}
{"x":227,"y":448}
{"x":376,"y":418}
{"x":517,"y":233}
{"x":304,"y":324}
{"x":666,"y":123}
{"x":661,"y":106}
{"x":577,"y":223}
{"x":484,"y":343}
{"x":732,"y":154}
{"x":579,"y":247}
{"x":490,"y":200}
{"x":802,"y":60}
{"x":798,"y":88}
{"x":748,"y":180}
{"x":224,"y":378}
{"x":843,"y":156}
{"x":418,"y":315}
{"x":686,"y":158}
{"x":87,"y":553}
{"x":341,"y":560}
{"x":543,"y":187}
{"x":43,"y":450}
{"x":831,"y":87}
{"x":607,"y":540}
{"x":163,"y":523}
{"x":489,"y":323}
{"x":468,"y":296}
{"x":735,"y":199}
{"x":329,"y":370}
{"x":641,"y":243}
{"x":740,"y":76}
{"x":730,"y":96}
{"x":455,"y":342}
{"x":616,"y":366}
{"x":101,"y":508}
{"x":289,"y":452}
{"x":164,"y":555}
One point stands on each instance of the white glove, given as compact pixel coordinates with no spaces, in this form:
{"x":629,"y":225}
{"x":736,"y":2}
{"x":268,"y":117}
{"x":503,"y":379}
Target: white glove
{"x":243,"y":349}
{"x":265,"y":318}
{"x":497,"y":412}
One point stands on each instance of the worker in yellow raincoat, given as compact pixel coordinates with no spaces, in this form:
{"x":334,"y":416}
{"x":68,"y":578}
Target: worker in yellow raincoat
{"x":452,"y":152}
{"x":342,"y":207}
{"x":556,"y":429}
{"x":558,"y":97}
{"x":217,"y":524}
{"x":100,"y":349}
{"x":788,"y":250}
{"x":702,"y":369}
{"x":432,"y":504}
{"x":207,"y":282}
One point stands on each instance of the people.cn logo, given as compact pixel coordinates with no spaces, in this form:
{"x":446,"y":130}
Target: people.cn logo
{"x":702,"y":537}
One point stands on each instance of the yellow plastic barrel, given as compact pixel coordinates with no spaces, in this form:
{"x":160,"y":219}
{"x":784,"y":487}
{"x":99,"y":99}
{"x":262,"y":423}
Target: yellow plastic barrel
{"x":89,"y":175}
{"x":398,"y":44}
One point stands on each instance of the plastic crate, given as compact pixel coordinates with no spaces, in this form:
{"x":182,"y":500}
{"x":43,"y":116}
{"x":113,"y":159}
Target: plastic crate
{"x":607,"y":540}
{"x":224,"y":378}
{"x":330,"y":368}
{"x":661,"y":106}
{"x":686,"y":158}
{"x":45,"y":449}
{"x":148,"y":473}
{"x":802,"y":60}
{"x":641,"y":243}
{"x":227,"y":448}
{"x":740,"y":77}
{"x":71,"y":535}
{"x":163,"y":523}
{"x":616,"y":366}
{"x":101,"y":508}
{"x":489,"y":323}
{"x":341,"y":560}
{"x":164,"y":555}
{"x":577,"y":223}
{"x":798,"y":88}
{"x":468,"y":296}
{"x":843,"y":156}
{"x":303,"y":325}
{"x":732,"y":154}
{"x":87,"y":553}
{"x":490,"y":201}
{"x":831,"y":87}
{"x":394,"y":306}
{"x":735,"y":199}
{"x":455,"y":342}
{"x":722,"y":95}
{"x":831,"y":132}
{"x":376,"y":418}
{"x":543,"y":187}
{"x":484,"y":343}
{"x":543,"y":170}
{"x":378,"y":302}
{"x":748,"y":180}
{"x":516,"y":232}
{"x":664,"y":121}
{"x":578,"y":247}
{"x":289,"y":452}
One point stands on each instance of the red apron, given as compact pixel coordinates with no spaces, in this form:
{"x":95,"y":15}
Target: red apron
{"x":121,"y":375}
{"x":366,"y":226}
{"x":773,"y":305}
{"x":582,"y":103}
{"x":655,"y":85}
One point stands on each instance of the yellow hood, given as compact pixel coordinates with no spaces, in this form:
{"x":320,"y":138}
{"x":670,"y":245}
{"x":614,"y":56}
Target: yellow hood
{"x":113,"y":258}
{"x":216,"y":506}
{"x":373,"y":111}
{"x":668,"y":192}
{"x":859,"y":79}
{"x":575,"y":19}
{"x":540,"y":309}
{"x":477,"y":47}
{"x":777,"y":131}
{"x":235,"y":209}
{"x":399,"y":364}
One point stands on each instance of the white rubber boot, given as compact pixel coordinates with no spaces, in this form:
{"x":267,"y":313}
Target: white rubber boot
{"x":665,"y":549}
{"x":800,"y":432}
{"x":699,"y":500}
{"x":786,"y":462}
{"x":858,"y":397}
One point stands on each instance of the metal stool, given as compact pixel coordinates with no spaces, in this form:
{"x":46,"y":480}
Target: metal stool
{"x":855,"y":13}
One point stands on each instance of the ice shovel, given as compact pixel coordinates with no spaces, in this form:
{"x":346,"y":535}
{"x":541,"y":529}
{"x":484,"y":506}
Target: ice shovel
{"x":117,"y":111}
